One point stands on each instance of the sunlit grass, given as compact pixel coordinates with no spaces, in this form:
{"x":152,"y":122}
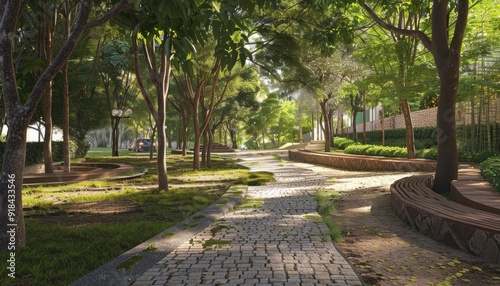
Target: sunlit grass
{"x":60,"y":252}
{"x":326,"y":209}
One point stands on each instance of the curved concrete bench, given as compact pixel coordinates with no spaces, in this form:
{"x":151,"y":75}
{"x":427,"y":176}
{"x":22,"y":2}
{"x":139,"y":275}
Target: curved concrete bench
{"x":469,"y":229}
{"x":475,"y":191}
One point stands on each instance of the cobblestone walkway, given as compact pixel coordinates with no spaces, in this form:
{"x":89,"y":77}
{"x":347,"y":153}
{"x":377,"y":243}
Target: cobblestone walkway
{"x":278,"y":243}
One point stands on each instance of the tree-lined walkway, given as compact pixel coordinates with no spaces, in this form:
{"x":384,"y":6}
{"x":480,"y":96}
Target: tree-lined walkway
{"x":276,"y":241}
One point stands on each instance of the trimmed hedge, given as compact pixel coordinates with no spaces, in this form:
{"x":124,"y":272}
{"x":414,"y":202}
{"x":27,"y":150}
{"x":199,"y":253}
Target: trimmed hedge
{"x":471,"y":157}
{"x":34,"y":151}
{"x":490,"y":169}
{"x":419,"y":133}
{"x":342,"y":143}
{"x":377,"y":150}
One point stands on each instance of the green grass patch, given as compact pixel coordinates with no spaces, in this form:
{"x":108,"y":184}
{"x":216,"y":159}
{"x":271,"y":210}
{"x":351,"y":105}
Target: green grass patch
{"x":214,"y":243}
{"x":250,"y":203}
{"x":168,"y":235}
{"x":60,"y":254}
{"x":218,"y":228}
{"x":62,"y":250}
{"x":316,"y":217}
{"x":199,"y":216}
{"x":256,"y":179}
{"x":151,"y":247}
{"x":326,"y":209}
{"x":279,"y":158}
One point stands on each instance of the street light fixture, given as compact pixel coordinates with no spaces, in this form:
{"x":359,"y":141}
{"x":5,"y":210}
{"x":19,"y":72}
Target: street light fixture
{"x":117,"y":115}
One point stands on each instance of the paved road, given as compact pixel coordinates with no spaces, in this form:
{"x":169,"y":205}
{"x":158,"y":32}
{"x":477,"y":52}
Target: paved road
{"x":279,"y":243}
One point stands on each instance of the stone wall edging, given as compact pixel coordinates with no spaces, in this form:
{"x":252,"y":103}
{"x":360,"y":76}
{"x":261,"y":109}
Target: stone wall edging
{"x":362,"y":163}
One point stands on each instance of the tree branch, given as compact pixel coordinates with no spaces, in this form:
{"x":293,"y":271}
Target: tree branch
{"x":9,"y":14}
{"x":463,"y":11}
{"x":138,"y":74}
{"x":60,"y":59}
{"x":121,"y":6}
{"x":426,"y":41}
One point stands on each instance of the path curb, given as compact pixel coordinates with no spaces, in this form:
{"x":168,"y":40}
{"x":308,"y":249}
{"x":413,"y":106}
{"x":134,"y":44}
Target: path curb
{"x":108,"y":274}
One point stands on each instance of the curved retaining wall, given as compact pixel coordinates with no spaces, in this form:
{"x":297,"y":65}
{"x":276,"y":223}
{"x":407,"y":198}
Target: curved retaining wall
{"x":89,"y":171}
{"x":362,"y":163}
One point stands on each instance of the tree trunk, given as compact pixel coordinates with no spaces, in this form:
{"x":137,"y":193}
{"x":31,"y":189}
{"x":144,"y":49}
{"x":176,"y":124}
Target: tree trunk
{"x":66,"y":110}
{"x":114,"y":136}
{"x":66,"y":114}
{"x":447,"y":157}
{"x":326,"y":129}
{"x":364,"y":116}
{"x":47,"y":118}
{"x":162,"y":93}
{"x":185,"y":126}
{"x":340,"y":122}
{"x":299,"y":116}
{"x":263,"y":142}
{"x":354,"y":127}
{"x":204,"y":150}
{"x":12,"y":231}
{"x":383,"y":125}
{"x":152,"y":138}
{"x":232,"y":134}
{"x":47,"y":21}
{"x":197,"y":136}
{"x":410,"y":137}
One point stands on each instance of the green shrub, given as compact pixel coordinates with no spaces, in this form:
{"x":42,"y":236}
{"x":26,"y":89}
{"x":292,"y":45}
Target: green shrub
{"x":490,"y":169}
{"x":79,"y":149}
{"x":475,"y":157}
{"x":34,"y":151}
{"x":430,"y":153}
{"x":342,"y":143}
{"x":376,"y":150}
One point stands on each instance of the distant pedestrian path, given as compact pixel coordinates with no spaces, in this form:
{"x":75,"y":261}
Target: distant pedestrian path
{"x":275,"y":241}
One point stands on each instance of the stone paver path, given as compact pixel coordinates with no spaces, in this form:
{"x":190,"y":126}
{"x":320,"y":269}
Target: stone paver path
{"x":280,"y":243}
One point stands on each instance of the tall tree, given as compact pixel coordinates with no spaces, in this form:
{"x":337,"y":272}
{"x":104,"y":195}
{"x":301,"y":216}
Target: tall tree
{"x":118,"y":81}
{"x":169,"y":33}
{"x":19,"y":114}
{"x":445,"y":49}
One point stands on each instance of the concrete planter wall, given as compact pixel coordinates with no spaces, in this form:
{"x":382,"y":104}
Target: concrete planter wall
{"x":362,"y":163}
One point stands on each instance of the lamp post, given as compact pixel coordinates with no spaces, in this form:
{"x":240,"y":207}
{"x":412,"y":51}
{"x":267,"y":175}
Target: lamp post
{"x":118,"y":114}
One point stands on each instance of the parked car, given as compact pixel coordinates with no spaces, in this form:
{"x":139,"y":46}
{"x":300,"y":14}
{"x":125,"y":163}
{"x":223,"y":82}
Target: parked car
{"x":142,"y":145}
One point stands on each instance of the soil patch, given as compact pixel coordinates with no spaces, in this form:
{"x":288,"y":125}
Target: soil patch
{"x":83,"y":214}
{"x":384,"y":250}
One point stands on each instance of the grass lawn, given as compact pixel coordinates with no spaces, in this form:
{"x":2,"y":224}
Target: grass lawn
{"x":74,"y":229}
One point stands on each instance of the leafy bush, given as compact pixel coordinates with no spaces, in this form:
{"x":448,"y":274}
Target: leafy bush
{"x":376,"y":150}
{"x":475,"y":157}
{"x":342,"y":143}
{"x":79,"y":148}
{"x":490,"y":169}
{"x":430,"y":153}
{"x":34,"y":151}
{"x":419,"y":133}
